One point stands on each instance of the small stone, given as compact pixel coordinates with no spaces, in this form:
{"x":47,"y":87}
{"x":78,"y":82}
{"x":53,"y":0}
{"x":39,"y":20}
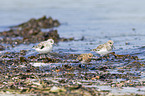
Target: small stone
{"x":57,"y":89}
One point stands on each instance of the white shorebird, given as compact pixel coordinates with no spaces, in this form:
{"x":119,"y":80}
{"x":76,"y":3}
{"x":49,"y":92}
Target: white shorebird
{"x":45,"y":46}
{"x":105,"y":48}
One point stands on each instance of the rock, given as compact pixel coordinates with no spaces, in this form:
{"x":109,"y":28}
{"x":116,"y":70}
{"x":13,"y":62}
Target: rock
{"x":57,"y":89}
{"x":23,"y":59}
{"x":42,"y":22}
{"x":2,"y":48}
{"x":30,"y":32}
{"x":85,"y":57}
{"x":53,"y":34}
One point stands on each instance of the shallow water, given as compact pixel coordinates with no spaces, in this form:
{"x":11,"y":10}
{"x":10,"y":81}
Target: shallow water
{"x":97,"y":21}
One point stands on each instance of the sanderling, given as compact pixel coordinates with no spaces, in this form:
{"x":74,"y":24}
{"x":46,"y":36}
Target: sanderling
{"x":45,"y":46}
{"x":105,"y":48}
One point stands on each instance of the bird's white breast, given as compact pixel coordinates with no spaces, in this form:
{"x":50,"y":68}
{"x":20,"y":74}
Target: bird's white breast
{"x":103,"y":51}
{"x":46,"y":49}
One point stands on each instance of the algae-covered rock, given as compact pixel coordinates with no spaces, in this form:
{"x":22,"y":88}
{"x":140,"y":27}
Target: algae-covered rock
{"x":42,"y":22}
{"x":31,"y":32}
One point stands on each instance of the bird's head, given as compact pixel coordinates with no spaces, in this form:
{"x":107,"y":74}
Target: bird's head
{"x":51,"y":41}
{"x":110,"y":42}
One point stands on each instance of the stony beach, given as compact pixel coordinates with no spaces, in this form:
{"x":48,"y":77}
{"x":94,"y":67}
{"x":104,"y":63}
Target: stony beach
{"x":64,"y":74}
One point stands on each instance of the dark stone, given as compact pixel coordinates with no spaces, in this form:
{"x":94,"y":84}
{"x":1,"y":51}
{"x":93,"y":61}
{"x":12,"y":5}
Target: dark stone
{"x":2,"y":48}
{"x":30,"y":32}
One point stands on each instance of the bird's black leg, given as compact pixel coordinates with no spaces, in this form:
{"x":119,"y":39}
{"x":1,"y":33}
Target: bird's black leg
{"x":46,"y":56}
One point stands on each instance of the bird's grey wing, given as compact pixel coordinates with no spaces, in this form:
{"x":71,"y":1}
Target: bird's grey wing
{"x":40,"y":45}
{"x":109,"y":48}
{"x":99,"y":47}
